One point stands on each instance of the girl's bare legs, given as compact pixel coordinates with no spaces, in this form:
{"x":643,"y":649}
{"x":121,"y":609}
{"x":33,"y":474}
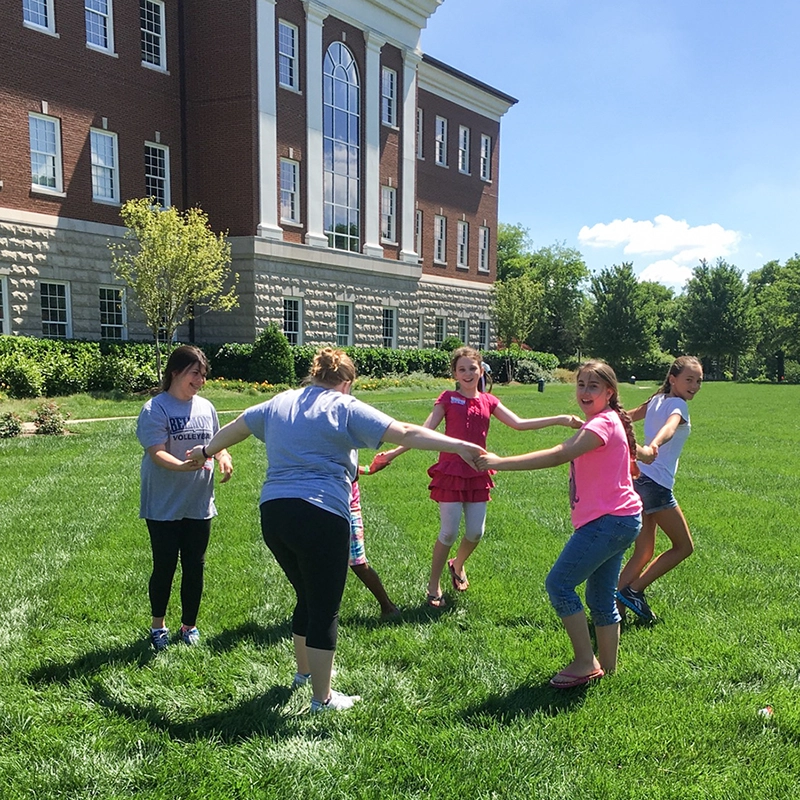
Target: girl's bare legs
{"x":370,"y":578}
{"x":673,"y":523}
{"x":474,"y":525}
{"x":317,"y":662}
{"x":300,"y":654}
{"x":607,"y":646}
{"x":584,"y":662}
{"x":643,"y":549}
{"x":465,"y":550}
{"x":440,"y":553}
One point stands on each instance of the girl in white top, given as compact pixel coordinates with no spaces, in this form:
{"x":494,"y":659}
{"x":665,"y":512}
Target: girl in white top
{"x":666,"y":428}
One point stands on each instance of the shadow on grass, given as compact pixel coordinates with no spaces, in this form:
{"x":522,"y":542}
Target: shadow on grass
{"x":421,"y":614}
{"x":526,"y":701}
{"x":259,"y":716}
{"x":141,"y":653}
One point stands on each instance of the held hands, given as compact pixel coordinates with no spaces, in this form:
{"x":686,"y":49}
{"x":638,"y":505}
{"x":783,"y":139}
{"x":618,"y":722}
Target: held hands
{"x":196,"y":455}
{"x":379,"y":462}
{"x":570,"y":421}
{"x":471,"y":453}
{"x":487,"y":461}
{"x":647,"y":453}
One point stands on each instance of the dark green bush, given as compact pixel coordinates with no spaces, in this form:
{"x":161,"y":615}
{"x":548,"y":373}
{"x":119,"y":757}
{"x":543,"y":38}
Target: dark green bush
{"x":451,"y":343}
{"x":791,"y":372}
{"x":272,"y":359}
{"x":232,"y":361}
{"x":20,"y":376}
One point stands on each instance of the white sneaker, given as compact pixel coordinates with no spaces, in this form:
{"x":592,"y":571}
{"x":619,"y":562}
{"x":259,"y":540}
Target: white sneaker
{"x":336,"y":702}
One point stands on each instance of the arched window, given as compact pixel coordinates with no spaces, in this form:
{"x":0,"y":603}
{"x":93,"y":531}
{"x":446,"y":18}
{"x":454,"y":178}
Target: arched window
{"x":342,"y":157}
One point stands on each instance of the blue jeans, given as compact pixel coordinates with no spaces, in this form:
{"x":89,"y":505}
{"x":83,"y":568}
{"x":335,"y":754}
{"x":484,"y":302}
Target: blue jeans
{"x":593,"y":554}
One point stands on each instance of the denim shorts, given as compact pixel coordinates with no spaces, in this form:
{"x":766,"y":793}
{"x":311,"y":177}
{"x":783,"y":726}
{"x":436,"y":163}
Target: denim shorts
{"x":655,"y":497}
{"x":593,"y":554}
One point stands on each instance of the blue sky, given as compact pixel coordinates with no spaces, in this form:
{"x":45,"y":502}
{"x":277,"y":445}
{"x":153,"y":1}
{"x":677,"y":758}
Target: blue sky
{"x":651,"y":132}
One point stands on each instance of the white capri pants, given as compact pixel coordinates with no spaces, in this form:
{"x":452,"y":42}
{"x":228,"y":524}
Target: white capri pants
{"x":450,"y":516}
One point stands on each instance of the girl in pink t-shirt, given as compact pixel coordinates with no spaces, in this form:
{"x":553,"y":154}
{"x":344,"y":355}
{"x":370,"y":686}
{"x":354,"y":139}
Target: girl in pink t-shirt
{"x":457,"y":488}
{"x":606,"y":515}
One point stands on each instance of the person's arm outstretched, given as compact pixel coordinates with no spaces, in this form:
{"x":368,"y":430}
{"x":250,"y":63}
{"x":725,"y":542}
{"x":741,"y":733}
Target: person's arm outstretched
{"x":419,"y":437}
{"x":164,"y":459}
{"x":227,"y":436}
{"x":508,"y":417}
{"x":384,"y":458}
{"x":579,"y":444}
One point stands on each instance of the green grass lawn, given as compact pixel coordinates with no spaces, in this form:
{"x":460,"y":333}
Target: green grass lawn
{"x":456,"y":703}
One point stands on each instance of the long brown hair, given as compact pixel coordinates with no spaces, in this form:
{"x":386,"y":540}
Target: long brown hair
{"x":182,"y":358}
{"x":606,"y":374}
{"x":675,"y":369}
{"x":332,"y":367}
{"x":464,"y":352}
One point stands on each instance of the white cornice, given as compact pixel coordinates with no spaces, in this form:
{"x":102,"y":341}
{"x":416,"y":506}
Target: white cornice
{"x":462,"y":92}
{"x":456,"y":283}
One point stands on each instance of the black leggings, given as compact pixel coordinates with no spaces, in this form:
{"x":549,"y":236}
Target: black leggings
{"x":311,"y":546}
{"x":187,"y":538}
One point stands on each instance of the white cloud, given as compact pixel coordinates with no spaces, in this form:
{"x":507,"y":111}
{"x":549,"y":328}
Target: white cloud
{"x":668,"y":272}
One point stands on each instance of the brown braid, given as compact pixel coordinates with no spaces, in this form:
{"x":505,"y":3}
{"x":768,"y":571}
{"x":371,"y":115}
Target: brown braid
{"x":609,"y":377}
{"x":677,"y":366}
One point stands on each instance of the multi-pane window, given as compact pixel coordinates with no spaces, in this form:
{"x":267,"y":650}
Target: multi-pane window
{"x":39,"y":14}
{"x":45,"y":144}
{"x":388,"y":214}
{"x":4,"y":325}
{"x":463,"y":331}
{"x":418,"y":232}
{"x":388,"y":97}
{"x":341,"y":123}
{"x":56,"y":323}
{"x":463,"y":149}
{"x":439,"y":331}
{"x":290,"y":191}
{"x":441,"y":142}
{"x":483,"y":334}
{"x":344,"y":324}
{"x":420,"y":149}
{"x":486,"y":157}
{"x":483,"y":249}
{"x":156,"y":174}
{"x":287,"y":55}
{"x":440,"y":239}
{"x":462,"y":236}
{"x":153,"y":29}
{"x":292,"y":319}
{"x":99,"y":24}
{"x":113,"y":322}
{"x":389,"y":328}
{"x":105,"y":166}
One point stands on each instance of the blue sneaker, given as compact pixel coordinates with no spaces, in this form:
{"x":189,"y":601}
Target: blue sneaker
{"x":190,"y":636}
{"x":635,"y":602}
{"x":159,"y":638}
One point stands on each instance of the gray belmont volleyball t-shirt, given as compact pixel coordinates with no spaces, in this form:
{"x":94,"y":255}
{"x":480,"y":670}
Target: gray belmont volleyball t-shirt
{"x":182,"y":424}
{"x":312,"y":437}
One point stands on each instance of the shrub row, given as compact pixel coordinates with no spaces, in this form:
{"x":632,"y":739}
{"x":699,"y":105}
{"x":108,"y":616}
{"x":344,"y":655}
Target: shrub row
{"x":48,"y":367}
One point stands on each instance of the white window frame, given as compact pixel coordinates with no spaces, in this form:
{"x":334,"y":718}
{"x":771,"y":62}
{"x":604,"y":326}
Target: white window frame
{"x":67,"y":321}
{"x":151,"y":177}
{"x":287,"y":56}
{"x":344,"y":338}
{"x":49,"y":13}
{"x":388,"y":97}
{"x":122,"y":325}
{"x":441,"y":142}
{"x":55,"y":155}
{"x":420,"y":145}
{"x":439,"y":239}
{"x":290,"y":191}
{"x":293,"y":305}
{"x":463,"y":330}
{"x":5,"y":314}
{"x":483,"y":334}
{"x":389,"y":315}
{"x":389,"y":214}
{"x":462,"y":240}
{"x":161,"y":64}
{"x":439,"y":330}
{"x":463,"y":149}
{"x":106,"y":18}
{"x":418,"y":222}
{"x":483,"y":249}
{"x":486,"y":157}
{"x":99,"y":169}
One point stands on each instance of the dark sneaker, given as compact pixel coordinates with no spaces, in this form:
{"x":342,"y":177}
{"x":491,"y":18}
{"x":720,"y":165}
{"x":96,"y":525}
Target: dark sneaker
{"x":159,"y":638}
{"x":635,"y":602}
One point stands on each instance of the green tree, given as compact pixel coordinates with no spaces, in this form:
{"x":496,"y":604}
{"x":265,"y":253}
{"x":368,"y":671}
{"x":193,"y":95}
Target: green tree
{"x":620,"y":329}
{"x":513,"y":251}
{"x":718,"y":321}
{"x":515,"y":308}
{"x":777,"y":299}
{"x":562,"y":274}
{"x":658,"y":302}
{"x":173,"y":264}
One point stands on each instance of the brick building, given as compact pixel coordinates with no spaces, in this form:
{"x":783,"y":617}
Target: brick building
{"x":355,"y":176}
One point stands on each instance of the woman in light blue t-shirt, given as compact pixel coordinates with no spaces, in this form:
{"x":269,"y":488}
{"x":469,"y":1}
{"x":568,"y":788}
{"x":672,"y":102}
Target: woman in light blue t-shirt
{"x":312,"y":436}
{"x":666,"y":429}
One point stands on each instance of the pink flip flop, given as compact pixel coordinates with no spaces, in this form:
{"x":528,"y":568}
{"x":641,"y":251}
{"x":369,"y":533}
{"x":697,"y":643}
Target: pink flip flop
{"x":571,"y":681}
{"x":459,"y":584}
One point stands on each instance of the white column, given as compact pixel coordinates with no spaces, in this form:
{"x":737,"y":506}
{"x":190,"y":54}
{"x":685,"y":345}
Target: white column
{"x":315,"y":227}
{"x":408,"y":175}
{"x":371,"y":120}
{"x":267,"y":122}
